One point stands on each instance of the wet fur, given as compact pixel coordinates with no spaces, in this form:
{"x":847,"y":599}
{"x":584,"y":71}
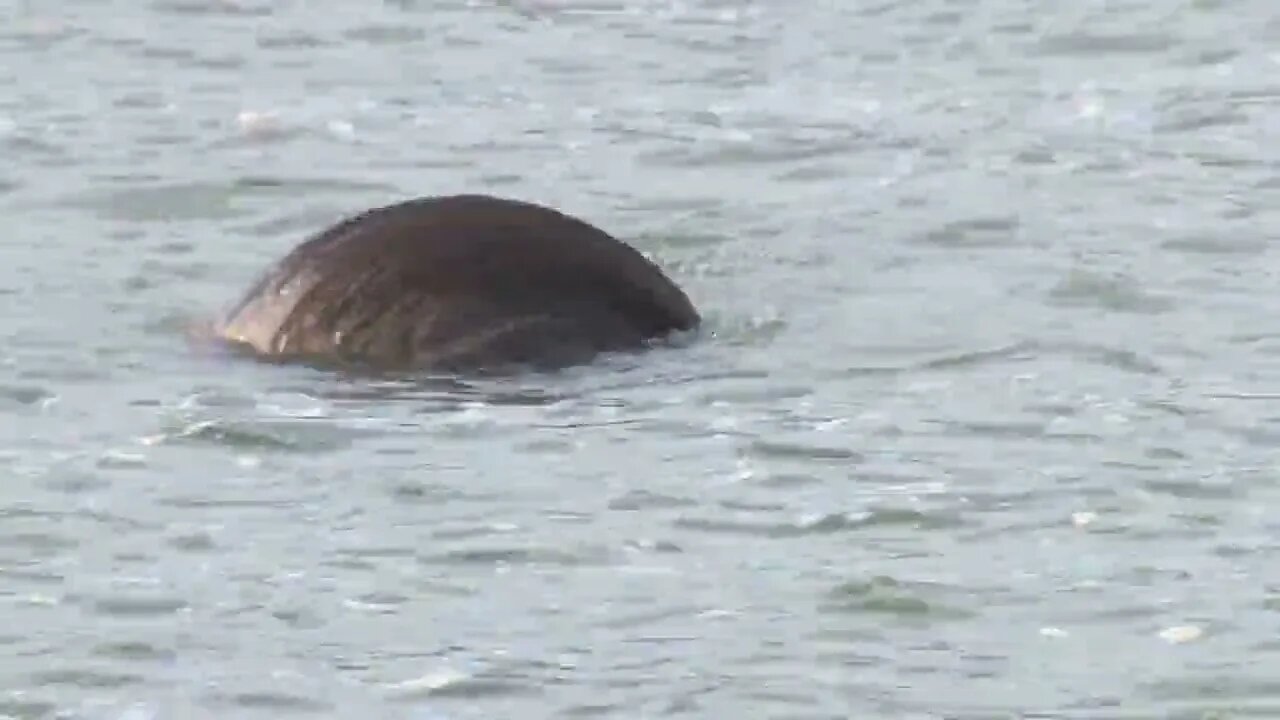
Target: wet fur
{"x":458,"y":282}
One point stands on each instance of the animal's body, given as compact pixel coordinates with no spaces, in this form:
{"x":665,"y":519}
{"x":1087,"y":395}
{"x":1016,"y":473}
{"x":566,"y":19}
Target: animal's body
{"x":458,"y":282}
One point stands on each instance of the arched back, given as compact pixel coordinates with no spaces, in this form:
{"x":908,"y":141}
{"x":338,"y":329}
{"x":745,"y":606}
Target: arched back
{"x":433,"y":280}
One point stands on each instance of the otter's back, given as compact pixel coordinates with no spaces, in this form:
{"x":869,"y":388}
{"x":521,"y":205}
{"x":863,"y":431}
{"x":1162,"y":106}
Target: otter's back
{"x":421,"y":281}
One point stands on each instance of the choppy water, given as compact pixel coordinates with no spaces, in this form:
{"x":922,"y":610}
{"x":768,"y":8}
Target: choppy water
{"x":984,"y":424}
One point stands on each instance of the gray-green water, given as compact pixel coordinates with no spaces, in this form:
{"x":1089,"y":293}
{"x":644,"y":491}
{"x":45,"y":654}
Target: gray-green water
{"x":984,"y":423}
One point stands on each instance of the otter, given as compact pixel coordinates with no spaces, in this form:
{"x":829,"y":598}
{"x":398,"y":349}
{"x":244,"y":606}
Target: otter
{"x":458,"y":283}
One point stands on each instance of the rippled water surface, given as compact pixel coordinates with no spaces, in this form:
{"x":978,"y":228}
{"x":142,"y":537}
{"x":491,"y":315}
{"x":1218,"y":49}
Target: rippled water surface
{"x":983,"y":424}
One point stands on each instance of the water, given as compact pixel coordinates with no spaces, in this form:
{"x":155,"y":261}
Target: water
{"x":983,"y":423}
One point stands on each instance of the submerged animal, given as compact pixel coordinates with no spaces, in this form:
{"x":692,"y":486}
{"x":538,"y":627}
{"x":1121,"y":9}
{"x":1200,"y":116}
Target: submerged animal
{"x":455,"y":283}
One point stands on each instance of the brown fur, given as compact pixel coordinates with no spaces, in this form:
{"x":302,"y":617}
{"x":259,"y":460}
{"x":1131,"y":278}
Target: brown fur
{"x":457,"y":282}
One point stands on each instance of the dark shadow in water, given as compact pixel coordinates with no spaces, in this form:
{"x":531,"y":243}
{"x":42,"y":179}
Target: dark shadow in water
{"x":435,"y":391}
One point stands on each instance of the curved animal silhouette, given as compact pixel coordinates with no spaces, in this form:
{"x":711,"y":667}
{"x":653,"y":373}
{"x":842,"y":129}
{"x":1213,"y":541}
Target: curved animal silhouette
{"x":461,"y":282}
